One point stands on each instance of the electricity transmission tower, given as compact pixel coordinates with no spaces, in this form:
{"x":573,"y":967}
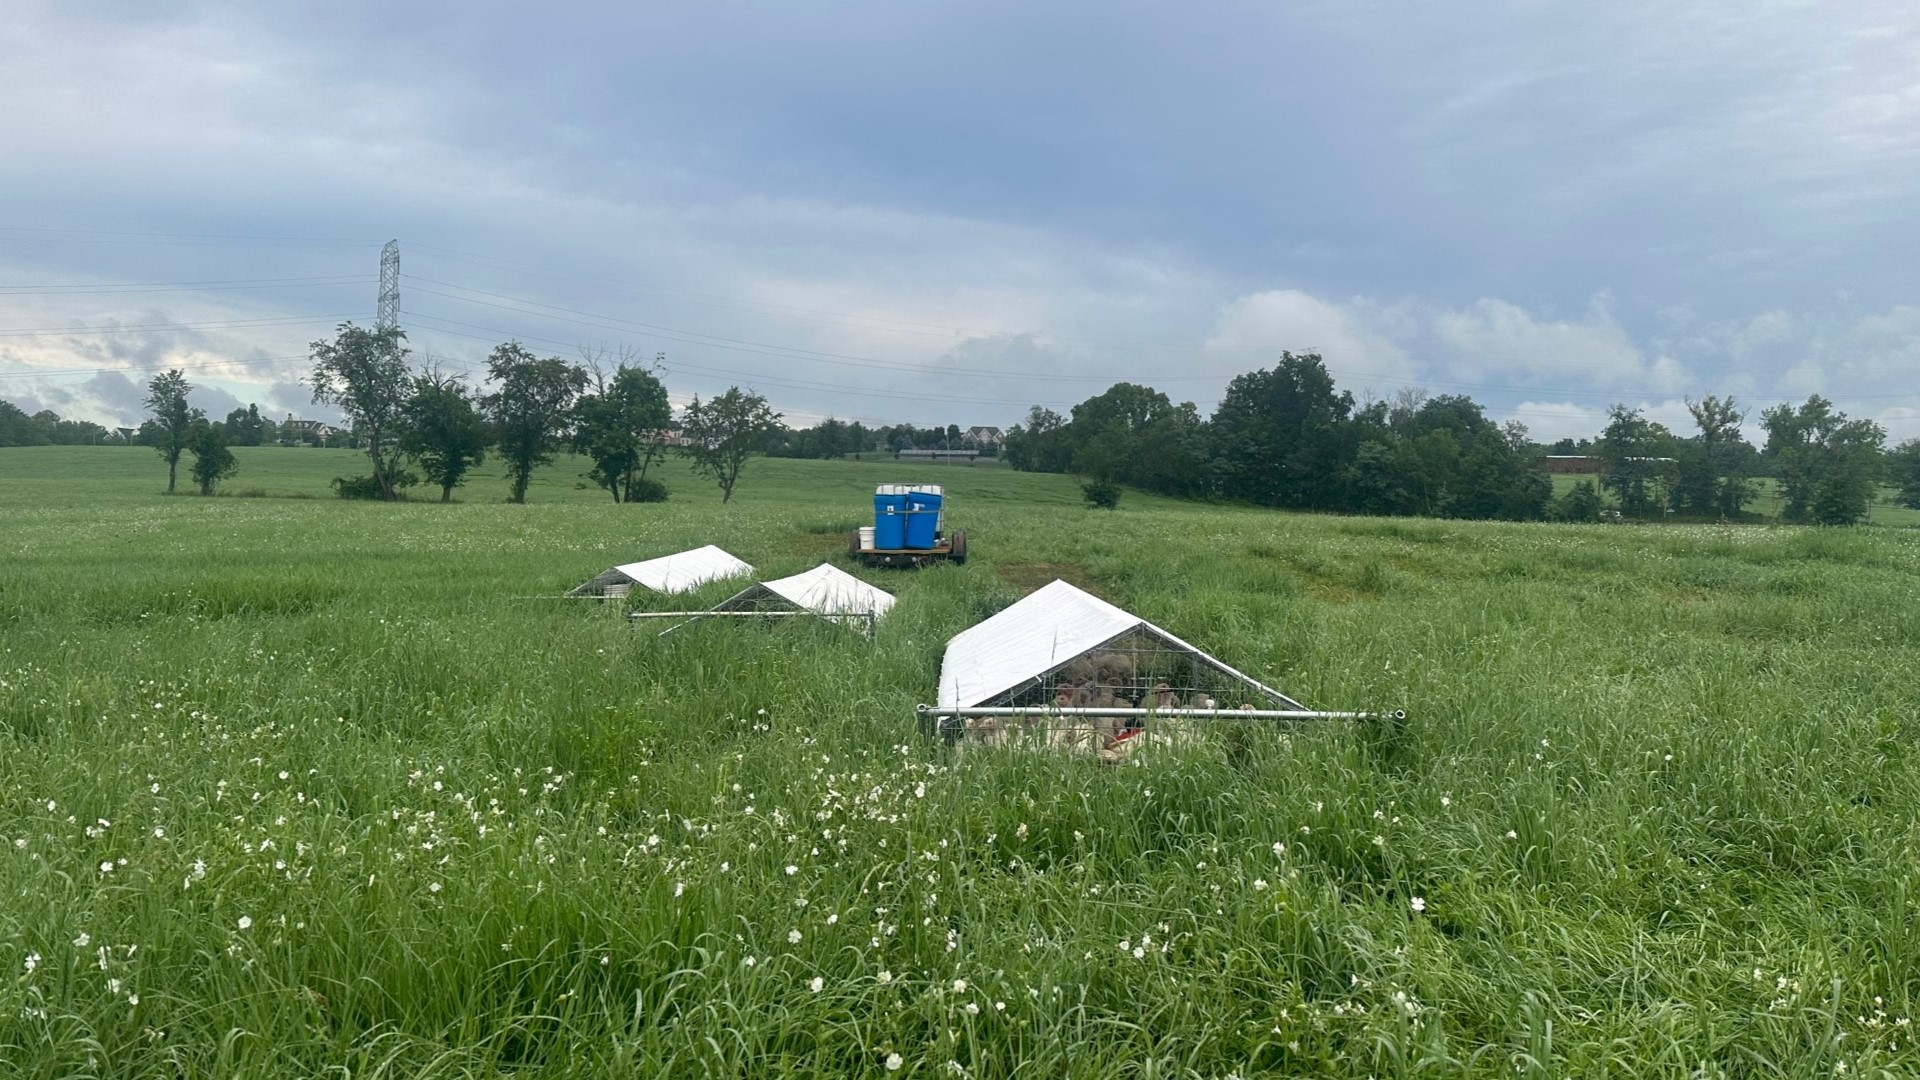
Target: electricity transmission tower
{"x":389,"y":314}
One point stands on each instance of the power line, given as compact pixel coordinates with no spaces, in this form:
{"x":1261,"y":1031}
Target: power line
{"x":113,"y":236}
{"x":109,"y":289}
{"x":282,"y":320}
{"x":262,"y":360}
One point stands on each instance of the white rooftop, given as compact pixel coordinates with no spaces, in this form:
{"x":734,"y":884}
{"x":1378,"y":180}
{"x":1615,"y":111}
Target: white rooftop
{"x":825,"y":589}
{"x":1050,"y":627}
{"x":682,"y":571}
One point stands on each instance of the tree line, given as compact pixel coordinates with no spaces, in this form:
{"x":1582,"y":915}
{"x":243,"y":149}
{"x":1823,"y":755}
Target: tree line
{"x":833,"y":438}
{"x":613,"y":411}
{"x":1283,"y":437}
{"x":1288,"y":437}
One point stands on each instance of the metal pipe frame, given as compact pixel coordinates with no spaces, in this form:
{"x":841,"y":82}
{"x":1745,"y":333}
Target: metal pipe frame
{"x":1215,"y":714}
{"x":726,"y":614}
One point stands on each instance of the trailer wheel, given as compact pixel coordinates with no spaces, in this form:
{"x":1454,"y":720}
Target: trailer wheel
{"x":959,"y":546}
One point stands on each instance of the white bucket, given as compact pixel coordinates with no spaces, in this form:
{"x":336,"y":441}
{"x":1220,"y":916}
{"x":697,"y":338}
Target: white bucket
{"x":866,"y":538}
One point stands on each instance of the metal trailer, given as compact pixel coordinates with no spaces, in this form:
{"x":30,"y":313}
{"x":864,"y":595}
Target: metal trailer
{"x":876,"y":545}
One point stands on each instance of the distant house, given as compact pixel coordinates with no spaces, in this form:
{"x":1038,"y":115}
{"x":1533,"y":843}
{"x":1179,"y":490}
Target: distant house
{"x":318,"y":431}
{"x":126,"y":434}
{"x":983,"y":438}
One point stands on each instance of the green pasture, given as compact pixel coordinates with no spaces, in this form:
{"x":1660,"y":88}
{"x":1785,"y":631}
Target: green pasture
{"x":291,"y":786}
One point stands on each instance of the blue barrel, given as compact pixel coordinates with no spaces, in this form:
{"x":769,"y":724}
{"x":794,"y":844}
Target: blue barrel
{"x":923,"y":518}
{"x":890,"y":517}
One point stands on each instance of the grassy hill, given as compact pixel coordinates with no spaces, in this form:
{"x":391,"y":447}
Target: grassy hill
{"x":316,"y":785}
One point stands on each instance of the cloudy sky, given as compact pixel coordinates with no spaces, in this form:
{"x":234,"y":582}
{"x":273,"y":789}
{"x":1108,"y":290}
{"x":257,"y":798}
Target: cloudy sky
{"x":950,"y":211}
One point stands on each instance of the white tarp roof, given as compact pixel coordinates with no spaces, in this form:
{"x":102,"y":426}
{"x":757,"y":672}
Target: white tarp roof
{"x":1050,"y":627}
{"x":682,"y":571}
{"x":826,"y":589}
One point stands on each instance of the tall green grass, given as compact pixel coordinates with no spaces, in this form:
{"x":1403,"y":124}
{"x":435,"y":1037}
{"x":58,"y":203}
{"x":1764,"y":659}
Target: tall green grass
{"x":307,"y":780}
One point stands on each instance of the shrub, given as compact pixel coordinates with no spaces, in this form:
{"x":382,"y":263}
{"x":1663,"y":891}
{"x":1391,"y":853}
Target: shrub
{"x":646,"y":490}
{"x":366,"y":487}
{"x":1101,"y":494}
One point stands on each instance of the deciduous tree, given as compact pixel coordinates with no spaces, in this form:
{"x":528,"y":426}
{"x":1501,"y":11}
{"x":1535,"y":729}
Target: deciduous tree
{"x":723,"y":432}
{"x":212,"y":461}
{"x":529,"y":409}
{"x":1827,"y":464}
{"x":364,"y":373}
{"x":1633,"y":446}
{"x":172,"y":419}
{"x":445,"y":433}
{"x":1903,"y":463}
{"x":622,"y":425}
{"x":1281,"y":436}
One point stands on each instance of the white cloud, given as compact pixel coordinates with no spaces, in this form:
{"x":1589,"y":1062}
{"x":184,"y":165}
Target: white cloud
{"x":1550,"y":421}
{"x":1495,"y":337}
{"x":1356,"y":352}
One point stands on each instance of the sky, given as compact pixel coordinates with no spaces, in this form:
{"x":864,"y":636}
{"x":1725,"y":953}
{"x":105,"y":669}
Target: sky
{"x":944,"y":212}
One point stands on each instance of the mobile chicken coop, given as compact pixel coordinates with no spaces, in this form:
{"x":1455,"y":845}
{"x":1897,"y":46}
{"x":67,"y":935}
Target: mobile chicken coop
{"x":909,"y":529}
{"x":1065,"y":670}
{"x":826,"y":591}
{"x":682,"y":571}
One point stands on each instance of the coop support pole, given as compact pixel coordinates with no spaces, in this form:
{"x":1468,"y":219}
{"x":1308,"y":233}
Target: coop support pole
{"x":1220,"y":714}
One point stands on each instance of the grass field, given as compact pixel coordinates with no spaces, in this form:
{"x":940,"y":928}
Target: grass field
{"x":297,"y":787}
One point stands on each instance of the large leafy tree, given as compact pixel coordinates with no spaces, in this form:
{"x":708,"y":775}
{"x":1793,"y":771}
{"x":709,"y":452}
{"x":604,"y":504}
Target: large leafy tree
{"x":622,"y":426}
{"x":1712,"y":467}
{"x":1282,"y":436}
{"x":1827,"y":464}
{"x":445,"y":432}
{"x":364,"y":373}
{"x":245,"y":427}
{"x":529,"y":408}
{"x":1635,"y":450}
{"x":212,"y":461}
{"x":723,"y":432}
{"x":1903,"y":463}
{"x":173,"y":418}
{"x":1041,"y":444}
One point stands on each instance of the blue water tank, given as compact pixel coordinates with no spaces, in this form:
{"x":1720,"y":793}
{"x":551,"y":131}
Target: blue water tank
{"x":923,"y":516}
{"x":890,"y":517}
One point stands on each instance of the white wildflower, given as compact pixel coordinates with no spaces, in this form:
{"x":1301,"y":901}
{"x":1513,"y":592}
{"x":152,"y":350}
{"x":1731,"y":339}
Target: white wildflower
{"x":1419,"y":904}
{"x":894,"y":1061}
{"x":246,"y":922}
{"x":818,"y":984}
